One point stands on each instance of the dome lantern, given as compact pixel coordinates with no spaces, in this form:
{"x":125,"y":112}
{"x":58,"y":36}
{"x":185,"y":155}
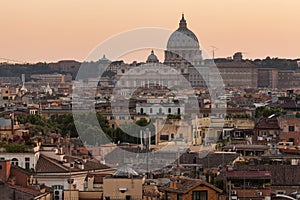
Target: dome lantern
{"x":182,"y":23}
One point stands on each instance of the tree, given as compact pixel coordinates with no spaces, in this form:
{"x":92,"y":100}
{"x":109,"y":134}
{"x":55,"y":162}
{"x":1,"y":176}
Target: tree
{"x":266,"y":112}
{"x":142,"y":122}
{"x":175,"y":116}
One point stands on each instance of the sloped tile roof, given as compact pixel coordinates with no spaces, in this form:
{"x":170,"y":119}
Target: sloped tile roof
{"x":212,"y":160}
{"x":48,"y":165}
{"x":187,"y":184}
{"x":280,"y":174}
{"x":249,"y":174}
{"x":266,"y":123}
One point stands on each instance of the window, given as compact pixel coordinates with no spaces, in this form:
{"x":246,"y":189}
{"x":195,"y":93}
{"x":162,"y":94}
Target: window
{"x":151,"y":110}
{"x":280,"y":192}
{"x":15,"y":161}
{"x":27,"y":163}
{"x":264,"y":133}
{"x":128,"y":197}
{"x":2,"y":158}
{"x":200,"y":195}
{"x":291,"y":128}
{"x":172,"y":136}
{"x":169,"y":110}
{"x":179,"y":196}
{"x":168,"y":195}
{"x":0,"y":167}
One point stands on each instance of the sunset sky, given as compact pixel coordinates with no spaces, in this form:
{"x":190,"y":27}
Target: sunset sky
{"x":52,"y":30}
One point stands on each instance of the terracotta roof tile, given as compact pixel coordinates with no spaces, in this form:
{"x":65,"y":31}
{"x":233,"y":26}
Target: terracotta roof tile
{"x":187,"y":184}
{"x":48,"y":165}
{"x":280,"y":174}
{"x":212,"y":160}
{"x":249,"y":174}
{"x":266,"y":123}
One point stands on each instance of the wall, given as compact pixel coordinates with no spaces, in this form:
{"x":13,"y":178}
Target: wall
{"x":21,"y":177}
{"x":134,"y":187}
{"x":173,"y":128}
{"x":90,"y":195}
{"x":61,"y":179}
{"x":211,"y":194}
{"x":21,"y":158}
{"x":71,"y":195}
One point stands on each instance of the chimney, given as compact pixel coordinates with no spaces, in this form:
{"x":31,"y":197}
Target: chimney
{"x":81,"y":166}
{"x":5,"y":170}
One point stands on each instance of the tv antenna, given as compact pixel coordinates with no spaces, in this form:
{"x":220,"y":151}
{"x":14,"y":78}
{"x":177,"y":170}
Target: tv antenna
{"x":213,"y":51}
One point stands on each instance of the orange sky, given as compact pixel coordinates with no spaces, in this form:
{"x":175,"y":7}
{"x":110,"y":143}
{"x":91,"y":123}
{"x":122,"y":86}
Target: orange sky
{"x":52,"y":30}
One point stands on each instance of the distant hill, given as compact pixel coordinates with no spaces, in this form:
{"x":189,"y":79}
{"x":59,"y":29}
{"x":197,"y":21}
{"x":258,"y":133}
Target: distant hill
{"x":16,"y":70}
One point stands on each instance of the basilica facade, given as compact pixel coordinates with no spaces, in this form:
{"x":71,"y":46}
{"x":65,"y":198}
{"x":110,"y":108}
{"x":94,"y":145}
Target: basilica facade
{"x":182,"y":54}
{"x":184,"y":65}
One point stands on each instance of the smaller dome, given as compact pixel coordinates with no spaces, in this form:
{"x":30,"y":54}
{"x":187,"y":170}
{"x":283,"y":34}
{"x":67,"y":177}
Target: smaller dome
{"x":104,"y":60}
{"x":152,"y":58}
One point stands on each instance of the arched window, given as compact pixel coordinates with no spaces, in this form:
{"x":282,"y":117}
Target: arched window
{"x":142,"y":110}
{"x":15,"y":161}
{"x":172,"y":136}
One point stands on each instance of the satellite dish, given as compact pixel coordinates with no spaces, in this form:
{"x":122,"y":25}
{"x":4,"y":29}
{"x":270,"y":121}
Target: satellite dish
{"x":271,"y":116}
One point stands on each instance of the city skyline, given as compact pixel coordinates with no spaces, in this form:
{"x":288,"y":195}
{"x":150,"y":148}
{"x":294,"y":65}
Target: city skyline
{"x":52,"y":31}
